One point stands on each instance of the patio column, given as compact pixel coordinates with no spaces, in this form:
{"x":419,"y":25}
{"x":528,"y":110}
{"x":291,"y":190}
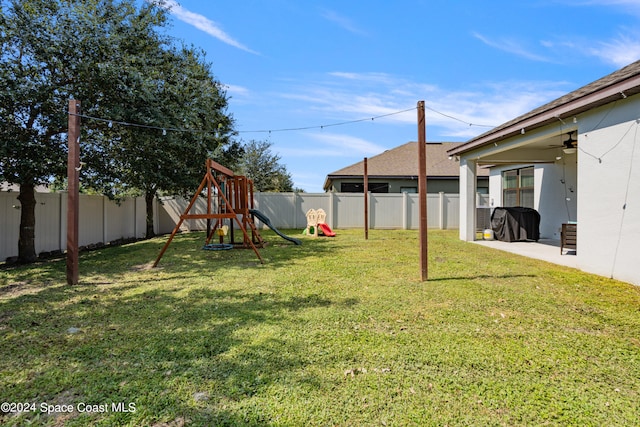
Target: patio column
{"x":468,"y":180}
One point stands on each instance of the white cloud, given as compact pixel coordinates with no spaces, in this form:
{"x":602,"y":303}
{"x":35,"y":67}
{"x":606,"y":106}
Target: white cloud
{"x":364,"y":77}
{"x":360,"y":95}
{"x":235,"y":90}
{"x":344,"y":97}
{"x":326,"y":144}
{"x":511,"y":46}
{"x":202,"y":23}
{"x":346,"y":143}
{"x":620,"y":51}
{"x":492,"y":104}
{"x":628,"y":6}
{"x":310,"y":181}
{"x":343,"y":22}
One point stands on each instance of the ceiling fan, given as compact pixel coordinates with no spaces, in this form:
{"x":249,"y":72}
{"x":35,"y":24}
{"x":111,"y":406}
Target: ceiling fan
{"x":568,"y":146}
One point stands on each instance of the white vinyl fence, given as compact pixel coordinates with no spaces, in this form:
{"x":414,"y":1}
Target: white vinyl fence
{"x":344,"y":210}
{"x":103,"y":221}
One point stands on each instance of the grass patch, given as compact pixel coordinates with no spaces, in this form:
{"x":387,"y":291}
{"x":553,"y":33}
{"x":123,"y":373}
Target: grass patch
{"x":334,"y":332}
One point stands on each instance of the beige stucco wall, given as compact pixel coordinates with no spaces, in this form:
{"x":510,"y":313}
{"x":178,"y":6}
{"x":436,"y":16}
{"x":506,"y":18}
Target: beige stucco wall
{"x":609,"y":190}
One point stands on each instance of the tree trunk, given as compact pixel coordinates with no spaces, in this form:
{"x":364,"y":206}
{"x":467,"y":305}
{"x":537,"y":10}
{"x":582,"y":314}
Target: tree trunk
{"x":149,"y":197}
{"x":27,"y":240}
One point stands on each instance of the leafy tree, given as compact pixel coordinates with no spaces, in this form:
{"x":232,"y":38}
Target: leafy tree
{"x":264,"y":168}
{"x":229,"y":155}
{"x":109,"y":55}
{"x":183,"y":108}
{"x":51,"y":51}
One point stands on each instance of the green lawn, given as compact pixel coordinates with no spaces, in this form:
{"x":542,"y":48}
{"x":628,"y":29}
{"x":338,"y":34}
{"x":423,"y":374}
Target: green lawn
{"x":335,"y":332}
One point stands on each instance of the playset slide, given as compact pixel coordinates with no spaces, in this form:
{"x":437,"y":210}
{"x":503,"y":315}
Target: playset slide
{"x":326,"y":230}
{"x":266,"y":221}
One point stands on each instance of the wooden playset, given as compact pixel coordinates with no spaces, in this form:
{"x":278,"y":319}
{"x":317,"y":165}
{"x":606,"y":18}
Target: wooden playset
{"x":234,"y":194}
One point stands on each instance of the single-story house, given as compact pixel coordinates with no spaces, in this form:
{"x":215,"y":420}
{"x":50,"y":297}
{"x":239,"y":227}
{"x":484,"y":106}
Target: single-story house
{"x":396,"y":171}
{"x":574,"y":160}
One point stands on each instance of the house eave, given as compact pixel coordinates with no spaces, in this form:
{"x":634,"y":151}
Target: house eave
{"x":560,"y":113}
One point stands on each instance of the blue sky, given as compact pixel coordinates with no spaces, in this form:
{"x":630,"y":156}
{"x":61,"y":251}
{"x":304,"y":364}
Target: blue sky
{"x":305,"y":64}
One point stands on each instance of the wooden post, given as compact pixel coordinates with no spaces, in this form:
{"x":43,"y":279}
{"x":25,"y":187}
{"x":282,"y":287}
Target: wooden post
{"x":366,"y":200}
{"x":422,"y":189}
{"x":73,"y":196}
{"x":209,"y":201}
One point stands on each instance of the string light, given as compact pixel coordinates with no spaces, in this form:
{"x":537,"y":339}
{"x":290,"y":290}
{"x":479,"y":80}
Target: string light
{"x":269,"y":131}
{"x":327,"y":125}
{"x":457,"y":119}
{"x":614,"y":146}
{"x":164,"y":129}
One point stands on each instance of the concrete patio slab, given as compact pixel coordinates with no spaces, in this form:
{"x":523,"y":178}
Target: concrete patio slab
{"x":544,"y":249}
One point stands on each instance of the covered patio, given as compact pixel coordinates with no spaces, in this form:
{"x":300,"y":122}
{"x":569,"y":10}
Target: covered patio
{"x":535,"y":169}
{"x":574,"y":160}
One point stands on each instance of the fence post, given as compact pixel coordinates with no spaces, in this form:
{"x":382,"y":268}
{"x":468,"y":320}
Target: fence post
{"x":135,"y":217}
{"x":295,"y":210}
{"x":155,"y":216}
{"x":442,"y":212}
{"x":331,"y":208}
{"x":63,"y":231}
{"x":405,"y":210}
{"x":104,"y":219}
